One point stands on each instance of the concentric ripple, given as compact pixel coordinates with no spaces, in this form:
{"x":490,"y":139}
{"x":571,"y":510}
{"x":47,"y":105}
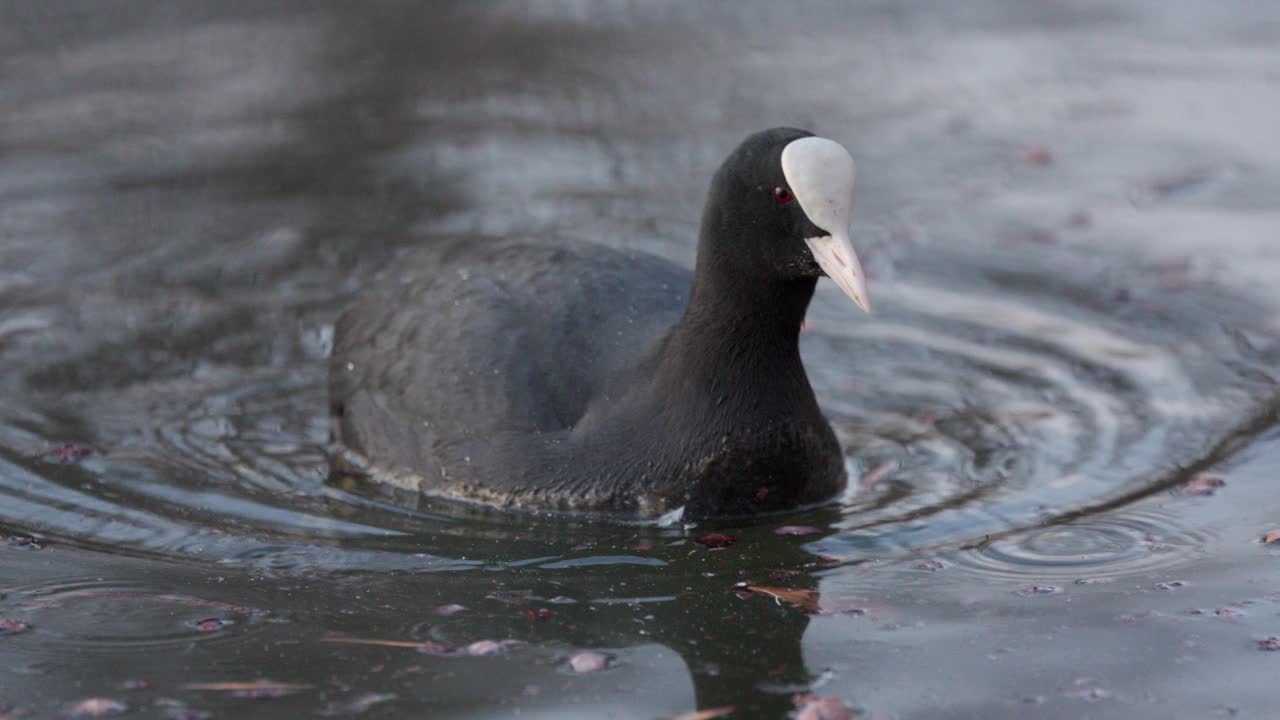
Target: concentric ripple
{"x":1088,"y":550}
{"x":966,"y":412}
{"x":92,"y":615}
{"x":994,"y":411}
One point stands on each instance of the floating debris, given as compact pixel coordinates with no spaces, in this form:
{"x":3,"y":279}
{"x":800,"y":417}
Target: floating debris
{"x":253,"y":690}
{"x":9,"y":626}
{"x":708,"y":714}
{"x":1039,"y":590}
{"x":1271,"y":537}
{"x":69,"y":453}
{"x":97,"y":707}
{"x":447,"y":610}
{"x":1270,"y":644}
{"x":878,"y":473}
{"x":210,"y":624}
{"x":1200,"y":485}
{"x":357,"y":705}
{"x":539,"y":614}
{"x":1037,"y":155}
{"x":798,"y":530}
{"x":717,"y":540}
{"x":423,"y":646}
{"x":511,"y":597}
{"x":484,"y":648}
{"x":1080,"y":219}
{"x":807,"y":600}
{"x":588,"y":662}
{"x":178,"y":710}
{"x":24,"y":542}
{"x":812,"y":707}
{"x":1090,"y":694}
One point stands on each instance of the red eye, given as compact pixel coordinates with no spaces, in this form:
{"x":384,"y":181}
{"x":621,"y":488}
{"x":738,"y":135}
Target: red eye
{"x":782,"y":195}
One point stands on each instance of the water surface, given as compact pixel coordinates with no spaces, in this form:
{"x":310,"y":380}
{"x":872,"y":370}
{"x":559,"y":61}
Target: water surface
{"x":1063,"y":408}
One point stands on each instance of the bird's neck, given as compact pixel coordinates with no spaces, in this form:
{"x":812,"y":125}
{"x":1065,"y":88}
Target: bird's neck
{"x":739,"y":331}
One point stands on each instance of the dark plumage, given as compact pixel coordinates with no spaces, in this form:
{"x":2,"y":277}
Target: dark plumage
{"x":571,"y":376}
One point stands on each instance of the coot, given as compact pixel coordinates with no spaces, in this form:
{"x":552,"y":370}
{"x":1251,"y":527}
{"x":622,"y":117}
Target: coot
{"x":567,"y":376}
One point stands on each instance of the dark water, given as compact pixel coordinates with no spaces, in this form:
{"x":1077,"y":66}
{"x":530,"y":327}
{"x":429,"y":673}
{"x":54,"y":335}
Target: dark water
{"x":1069,"y":212}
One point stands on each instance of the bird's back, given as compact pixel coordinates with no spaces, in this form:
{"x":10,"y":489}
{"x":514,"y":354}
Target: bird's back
{"x":470,"y":338}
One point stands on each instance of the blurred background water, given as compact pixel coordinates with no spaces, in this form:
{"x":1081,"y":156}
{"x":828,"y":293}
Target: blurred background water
{"x":1063,"y":409}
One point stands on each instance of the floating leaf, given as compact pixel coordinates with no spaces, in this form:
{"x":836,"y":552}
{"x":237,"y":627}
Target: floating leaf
{"x":807,"y":600}
{"x":812,"y":707}
{"x":717,"y":540}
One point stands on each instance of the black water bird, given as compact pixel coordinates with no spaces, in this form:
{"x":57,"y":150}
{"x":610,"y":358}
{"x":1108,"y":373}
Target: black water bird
{"x":577,"y":377}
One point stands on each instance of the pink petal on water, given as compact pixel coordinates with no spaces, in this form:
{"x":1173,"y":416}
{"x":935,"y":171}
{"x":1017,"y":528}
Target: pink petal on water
{"x":208,"y":625}
{"x":1200,"y":484}
{"x":481,"y":648}
{"x":795,"y":530}
{"x":588,"y":662}
{"x":69,"y":453}
{"x":717,"y":540}
{"x":812,"y":707}
{"x":878,"y":473}
{"x":97,"y":707}
{"x":1037,"y":155}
